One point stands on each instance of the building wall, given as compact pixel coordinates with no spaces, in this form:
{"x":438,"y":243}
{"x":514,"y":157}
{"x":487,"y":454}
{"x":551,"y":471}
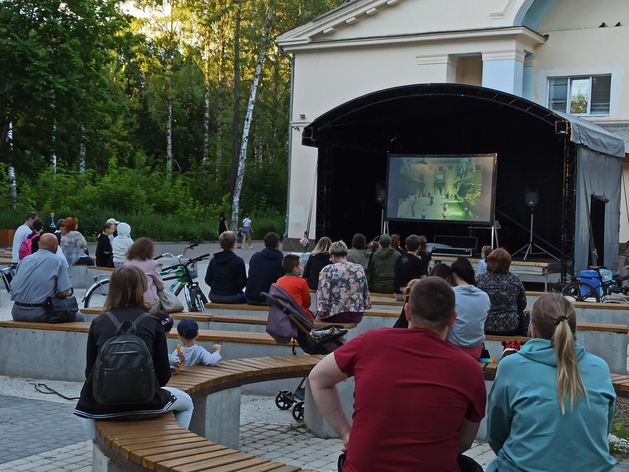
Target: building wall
{"x":353,"y":52}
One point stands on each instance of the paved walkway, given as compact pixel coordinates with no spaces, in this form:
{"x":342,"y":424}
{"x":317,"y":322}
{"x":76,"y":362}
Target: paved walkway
{"x":43,"y":435}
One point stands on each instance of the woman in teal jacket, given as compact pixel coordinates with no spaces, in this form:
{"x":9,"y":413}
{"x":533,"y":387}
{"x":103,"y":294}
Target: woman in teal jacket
{"x":552,"y":404}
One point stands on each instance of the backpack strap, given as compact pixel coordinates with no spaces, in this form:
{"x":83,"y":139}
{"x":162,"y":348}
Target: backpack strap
{"x":113,"y":319}
{"x":132,"y":326}
{"x":138,"y":320}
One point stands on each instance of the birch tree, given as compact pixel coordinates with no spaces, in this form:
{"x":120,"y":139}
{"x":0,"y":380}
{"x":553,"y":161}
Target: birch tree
{"x":247,"y":125}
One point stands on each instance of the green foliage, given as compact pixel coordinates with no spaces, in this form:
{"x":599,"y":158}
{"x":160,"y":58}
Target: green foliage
{"x":80,"y":74}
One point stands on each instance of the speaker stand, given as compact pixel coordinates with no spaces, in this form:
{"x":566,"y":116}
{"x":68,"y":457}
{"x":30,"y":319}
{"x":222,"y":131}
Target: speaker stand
{"x":530,"y":247}
{"x":384,"y":225}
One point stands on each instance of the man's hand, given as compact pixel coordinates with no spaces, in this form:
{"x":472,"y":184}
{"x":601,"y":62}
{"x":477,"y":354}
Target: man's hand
{"x":63,"y":294}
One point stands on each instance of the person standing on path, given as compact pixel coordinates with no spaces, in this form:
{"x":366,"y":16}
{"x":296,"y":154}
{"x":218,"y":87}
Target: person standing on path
{"x":247,"y":230}
{"x":222,"y":223}
{"x":23,"y":232}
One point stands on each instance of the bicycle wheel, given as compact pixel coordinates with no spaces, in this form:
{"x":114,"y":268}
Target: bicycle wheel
{"x":97,"y":294}
{"x":195,"y":300}
{"x":580,"y":291}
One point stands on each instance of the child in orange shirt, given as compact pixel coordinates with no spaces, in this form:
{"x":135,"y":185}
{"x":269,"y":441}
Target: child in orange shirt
{"x":294,"y":284}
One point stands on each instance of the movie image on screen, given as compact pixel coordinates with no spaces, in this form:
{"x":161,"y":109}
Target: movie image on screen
{"x":453,"y":188}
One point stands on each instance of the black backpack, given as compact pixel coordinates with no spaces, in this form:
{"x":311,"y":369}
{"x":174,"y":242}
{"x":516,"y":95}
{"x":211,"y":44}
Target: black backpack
{"x":123,"y":373}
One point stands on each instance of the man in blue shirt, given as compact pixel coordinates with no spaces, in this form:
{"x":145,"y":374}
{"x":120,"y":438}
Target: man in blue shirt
{"x":37,"y":277}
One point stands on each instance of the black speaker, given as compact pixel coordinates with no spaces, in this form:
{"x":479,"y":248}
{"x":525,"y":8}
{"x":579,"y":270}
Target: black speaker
{"x":531,"y":195}
{"x":381,"y":194}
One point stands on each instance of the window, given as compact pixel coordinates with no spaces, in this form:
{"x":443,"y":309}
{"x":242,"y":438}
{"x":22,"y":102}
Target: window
{"x":580,"y":95}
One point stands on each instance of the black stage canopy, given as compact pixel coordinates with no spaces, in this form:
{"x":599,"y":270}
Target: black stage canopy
{"x":532,"y":143}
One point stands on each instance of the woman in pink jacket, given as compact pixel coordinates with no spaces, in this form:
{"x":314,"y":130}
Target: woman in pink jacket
{"x":141,"y":254}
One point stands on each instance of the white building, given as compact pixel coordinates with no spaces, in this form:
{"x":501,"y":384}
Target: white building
{"x":565,"y":55}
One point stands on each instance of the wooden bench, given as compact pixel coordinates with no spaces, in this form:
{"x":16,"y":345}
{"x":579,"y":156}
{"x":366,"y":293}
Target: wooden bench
{"x":161,"y":444}
{"x":61,"y":349}
{"x":607,"y":341}
{"x":619,"y":381}
{"x":220,"y":321}
{"x":520,"y":268}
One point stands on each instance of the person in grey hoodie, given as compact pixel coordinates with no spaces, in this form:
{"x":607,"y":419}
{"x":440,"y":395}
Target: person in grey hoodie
{"x":121,"y":244}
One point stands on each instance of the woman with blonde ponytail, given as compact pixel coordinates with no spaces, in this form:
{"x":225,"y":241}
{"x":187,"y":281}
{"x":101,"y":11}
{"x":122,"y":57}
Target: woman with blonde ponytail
{"x":552,"y":403}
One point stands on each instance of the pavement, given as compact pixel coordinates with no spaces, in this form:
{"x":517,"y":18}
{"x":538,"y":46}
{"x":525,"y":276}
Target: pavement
{"x":39,"y":433}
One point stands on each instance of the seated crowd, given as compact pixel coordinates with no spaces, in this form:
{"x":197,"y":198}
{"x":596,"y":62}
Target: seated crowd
{"x":550,"y":407}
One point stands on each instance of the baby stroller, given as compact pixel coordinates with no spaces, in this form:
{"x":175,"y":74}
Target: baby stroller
{"x":288,"y":322}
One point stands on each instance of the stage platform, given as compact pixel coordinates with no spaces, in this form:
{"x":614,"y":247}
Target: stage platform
{"x":534,"y":272}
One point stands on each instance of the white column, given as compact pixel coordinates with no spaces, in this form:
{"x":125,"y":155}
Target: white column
{"x":504,"y":71}
{"x":527,"y":82}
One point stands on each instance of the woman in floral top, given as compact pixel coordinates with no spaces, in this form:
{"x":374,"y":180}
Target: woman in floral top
{"x":342,"y":293}
{"x":507,"y":295}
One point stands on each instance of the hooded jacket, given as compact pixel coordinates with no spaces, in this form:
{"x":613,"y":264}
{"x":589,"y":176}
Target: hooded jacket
{"x":122,"y":242}
{"x":226,"y":274}
{"x":265,"y":267}
{"x":525,"y":427}
{"x":382,"y":270}
{"x":315,"y":263}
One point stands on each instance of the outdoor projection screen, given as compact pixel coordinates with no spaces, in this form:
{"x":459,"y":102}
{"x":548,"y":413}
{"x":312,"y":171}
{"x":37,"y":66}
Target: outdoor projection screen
{"x":452,"y":188}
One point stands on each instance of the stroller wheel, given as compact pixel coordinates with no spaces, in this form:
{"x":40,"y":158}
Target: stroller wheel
{"x":283,"y":400}
{"x":298,"y":411}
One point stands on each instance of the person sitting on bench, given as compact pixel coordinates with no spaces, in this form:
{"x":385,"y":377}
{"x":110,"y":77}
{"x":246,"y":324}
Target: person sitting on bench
{"x":37,"y":277}
{"x":265,"y":267}
{"x":552,"y":404}
{"x":342,"y":294}
{"x":226,"y":275}
{"x":294,"y":284}
{"x":418,"y":399}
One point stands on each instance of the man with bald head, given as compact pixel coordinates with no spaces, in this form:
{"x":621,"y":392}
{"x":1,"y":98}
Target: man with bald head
{"x":418,"y":400}
{"x":37,"y":277}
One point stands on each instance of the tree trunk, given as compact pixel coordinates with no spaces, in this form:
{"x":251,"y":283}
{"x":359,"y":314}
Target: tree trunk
{"x":221,"y":98}
{"x":12,"y":186}
{"x":11,"y":169}
{"x":247,"y":126}
{"x":82,"y":152}
{"x":53,"y":154}
{"x":206,"y":119}
{"x":169,"y":124}
{"x":236,"y":108}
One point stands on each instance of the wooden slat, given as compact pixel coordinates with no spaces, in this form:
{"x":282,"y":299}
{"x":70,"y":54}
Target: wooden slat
{"x":140,"y":453}
{"x":262,"y":320}
{"x":256,"y":463}
{"x":75,"y":326}
{"x":236,"y":306}
{"x":209,"y":464}
{"x":613,"y":328}
{"x":230,"y":336}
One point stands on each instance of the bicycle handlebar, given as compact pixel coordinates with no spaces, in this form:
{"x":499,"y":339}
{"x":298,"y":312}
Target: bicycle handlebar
{"x":188,"y":262}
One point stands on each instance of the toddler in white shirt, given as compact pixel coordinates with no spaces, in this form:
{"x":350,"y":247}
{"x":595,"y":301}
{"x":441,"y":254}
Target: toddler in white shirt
{"x":193,"y":354}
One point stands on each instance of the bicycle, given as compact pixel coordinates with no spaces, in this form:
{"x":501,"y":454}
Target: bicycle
{"x":7,"y":276}
{"x":183,"y":274}
{"x":579,"y":290}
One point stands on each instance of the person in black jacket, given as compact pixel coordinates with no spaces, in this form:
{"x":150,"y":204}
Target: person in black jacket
{"x":226,"y":274}
{"x":125,"y":301}
{"x":265,"y":267}
{"x":408,"y":266}
{"x":319,"y":258}
{"x":104,"y":254}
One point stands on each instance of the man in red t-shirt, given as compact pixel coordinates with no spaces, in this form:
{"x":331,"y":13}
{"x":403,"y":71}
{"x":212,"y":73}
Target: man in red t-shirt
{"x":418,"y":399}
{"x":294,"y":284}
